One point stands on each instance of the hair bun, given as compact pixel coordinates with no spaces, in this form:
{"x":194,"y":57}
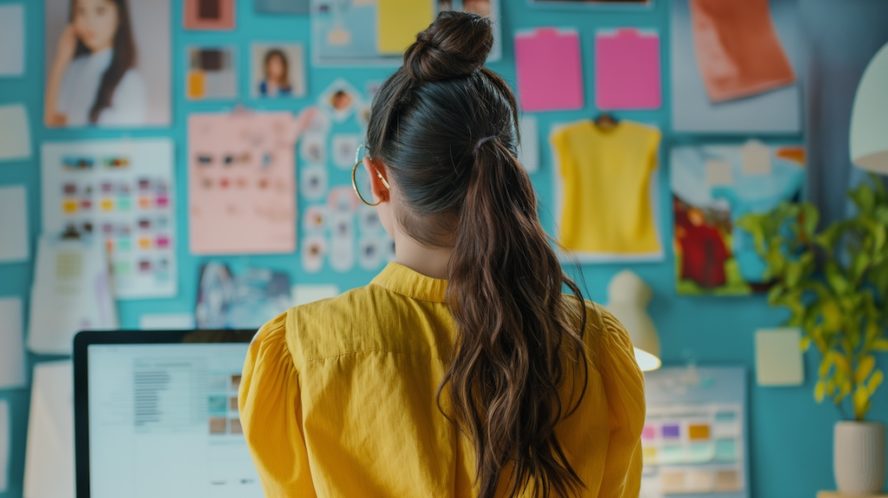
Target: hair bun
{"x":454,"y":46}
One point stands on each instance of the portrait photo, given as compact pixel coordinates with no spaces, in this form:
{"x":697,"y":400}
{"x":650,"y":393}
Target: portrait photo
{"x":107,"y":63}
{"x":278,"y":70}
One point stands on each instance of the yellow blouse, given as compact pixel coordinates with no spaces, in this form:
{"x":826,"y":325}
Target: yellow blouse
{"x":338,"y":398}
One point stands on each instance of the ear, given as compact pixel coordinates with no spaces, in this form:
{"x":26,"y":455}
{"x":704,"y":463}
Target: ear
{"x":379,"y":181}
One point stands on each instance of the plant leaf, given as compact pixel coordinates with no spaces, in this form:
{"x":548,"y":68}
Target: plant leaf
{"x":875,"y":381}
{"x":864,"y":368}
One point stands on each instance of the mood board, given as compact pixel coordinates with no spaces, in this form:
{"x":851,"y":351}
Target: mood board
{"x":218,"y":72}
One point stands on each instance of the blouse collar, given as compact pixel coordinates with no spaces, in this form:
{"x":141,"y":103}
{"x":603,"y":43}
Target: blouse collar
{"x":406,"y":281}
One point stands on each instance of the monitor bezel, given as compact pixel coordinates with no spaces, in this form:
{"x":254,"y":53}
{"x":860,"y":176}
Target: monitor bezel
{"x":83,"y":340}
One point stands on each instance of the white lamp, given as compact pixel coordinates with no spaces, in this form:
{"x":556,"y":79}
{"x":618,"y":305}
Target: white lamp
{"x":869,"y":119}
{"x":628,"y":297}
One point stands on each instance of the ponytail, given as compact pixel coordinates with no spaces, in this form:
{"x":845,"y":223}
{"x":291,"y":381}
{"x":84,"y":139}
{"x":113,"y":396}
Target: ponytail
{"x":519,"y":339}
{"x":511,"y":355}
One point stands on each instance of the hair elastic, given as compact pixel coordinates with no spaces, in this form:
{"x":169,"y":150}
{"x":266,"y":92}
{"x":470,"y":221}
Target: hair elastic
{"x":483,"y":141}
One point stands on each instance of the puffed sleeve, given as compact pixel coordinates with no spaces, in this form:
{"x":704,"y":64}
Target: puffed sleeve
{"x":271,"y":414}
{"x":624,"y":389}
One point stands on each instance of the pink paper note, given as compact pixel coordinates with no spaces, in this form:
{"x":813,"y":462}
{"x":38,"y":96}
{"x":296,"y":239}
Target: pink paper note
{"x":627,"y":69}
{"x":550,"y":71}
{"x":241,"y":183}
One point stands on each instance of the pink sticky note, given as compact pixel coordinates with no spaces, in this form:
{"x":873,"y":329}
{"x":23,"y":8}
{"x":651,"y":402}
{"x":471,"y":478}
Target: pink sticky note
{"x":627,"y":70}
{"x":550,"y":70}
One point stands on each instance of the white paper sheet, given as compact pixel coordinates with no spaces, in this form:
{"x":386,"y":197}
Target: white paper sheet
{"x":13,"y":224}
{"x":166,"y":321}
{"x":304,"y":294}
{"x":50,"y":449}
{"x":15,"y":131}
{"x":12,"y":351}
{"x":71,"y":292}
{"x":12,"y":40}
{"x":4,"y":445}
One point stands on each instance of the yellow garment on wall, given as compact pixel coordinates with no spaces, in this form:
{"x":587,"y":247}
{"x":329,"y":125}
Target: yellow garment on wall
{"x":606,"y":174}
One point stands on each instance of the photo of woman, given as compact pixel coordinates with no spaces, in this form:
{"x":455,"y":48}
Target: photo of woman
{"x":278,"y":71}
{"x":96,"y":75}
{"x":276,"y":81}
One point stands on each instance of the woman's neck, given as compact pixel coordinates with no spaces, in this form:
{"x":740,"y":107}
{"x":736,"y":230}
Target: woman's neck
{"x":430,"y":261}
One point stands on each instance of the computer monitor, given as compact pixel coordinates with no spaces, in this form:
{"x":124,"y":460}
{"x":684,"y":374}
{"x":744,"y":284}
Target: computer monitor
{"x":155,"y":414}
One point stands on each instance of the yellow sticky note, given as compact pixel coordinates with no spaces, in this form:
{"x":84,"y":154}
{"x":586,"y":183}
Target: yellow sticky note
{"x":398,"y":22}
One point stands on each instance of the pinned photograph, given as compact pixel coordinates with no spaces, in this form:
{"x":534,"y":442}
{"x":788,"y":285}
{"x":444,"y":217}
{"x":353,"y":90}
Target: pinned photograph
{"x":340,"y":100}
{"x":314,"y":249}
{"x":211,"y":73}
{"x":315,"y":219}
{"x":373,"y":252}
{"x":313,"y":148}
{"x":344,"y":147}
{"x":278,"y":70}
{"x":313,"y":181}
{"x":342,"y":253}
{"x":107,"y":63}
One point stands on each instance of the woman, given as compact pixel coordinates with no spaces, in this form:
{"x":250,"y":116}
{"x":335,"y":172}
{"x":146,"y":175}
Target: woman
{"x":462,"y":369}
{"x":276,"y":75}
{"x":93,"y":80}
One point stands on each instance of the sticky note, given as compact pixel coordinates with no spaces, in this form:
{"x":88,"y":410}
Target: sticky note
{"x":529,"y":152}
{"x":15,"y":132}
{"x":756,"y":158}
{"x":12,"y":349}
{"x":649,"y":432}
{"x":14,"y":244}
{"x":627,"y":69}
{"x":166,"y":321}
{"x":12,"y":40}
{"x":398,"y":21}
{"x":778,"y":358}
{"x":550,"y":70}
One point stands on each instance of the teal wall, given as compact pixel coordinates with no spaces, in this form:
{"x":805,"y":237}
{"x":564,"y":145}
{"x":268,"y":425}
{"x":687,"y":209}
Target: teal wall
{"x":790,"y":436}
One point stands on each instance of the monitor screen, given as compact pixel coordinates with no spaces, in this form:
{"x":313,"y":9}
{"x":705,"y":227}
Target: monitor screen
{"x":163,"y":421}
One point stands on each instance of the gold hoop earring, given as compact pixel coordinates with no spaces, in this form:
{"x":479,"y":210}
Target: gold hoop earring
{"x":358,"y":191}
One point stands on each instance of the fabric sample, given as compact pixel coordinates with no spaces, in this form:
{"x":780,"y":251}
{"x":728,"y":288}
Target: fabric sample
{"x":606,"y":174}
{"x":738,"y":52}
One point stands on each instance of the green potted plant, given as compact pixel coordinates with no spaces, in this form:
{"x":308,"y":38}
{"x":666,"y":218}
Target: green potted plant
{"x":834,"y":282}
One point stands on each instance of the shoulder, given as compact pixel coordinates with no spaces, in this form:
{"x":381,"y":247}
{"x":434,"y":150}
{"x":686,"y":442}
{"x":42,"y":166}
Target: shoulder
{"x":364,"y":319}
{"x":132,"y":82}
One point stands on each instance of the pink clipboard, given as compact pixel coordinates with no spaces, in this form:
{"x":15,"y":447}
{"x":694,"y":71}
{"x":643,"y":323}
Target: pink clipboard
{"x":550,"y":70}
{"x":627,"y":69}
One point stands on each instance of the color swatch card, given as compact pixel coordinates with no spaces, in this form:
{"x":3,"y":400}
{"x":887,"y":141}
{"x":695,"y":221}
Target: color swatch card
{"x":12,"y":40}
{"x":627,"y":69}
{"x":693,"y":441}
{"x":15,"y":133}
{"x":241,"y":183}
{"x":14,"y":235}
{"x":210,"y":14}
{"x":550,"y":70}
{"x":120,"y":191}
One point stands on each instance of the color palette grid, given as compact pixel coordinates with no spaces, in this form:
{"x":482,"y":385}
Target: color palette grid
{"x":695,"y":449}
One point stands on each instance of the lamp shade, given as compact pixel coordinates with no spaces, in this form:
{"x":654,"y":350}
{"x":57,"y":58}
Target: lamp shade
{"x":628,"y":296}
{"x":869,"y":118}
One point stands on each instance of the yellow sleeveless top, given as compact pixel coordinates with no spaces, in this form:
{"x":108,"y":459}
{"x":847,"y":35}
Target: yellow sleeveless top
{"x":338,"y":399}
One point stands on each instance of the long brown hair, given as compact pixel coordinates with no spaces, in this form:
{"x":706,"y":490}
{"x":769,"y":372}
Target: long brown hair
{"x":446,"y":128}
{"x":123,"y":58}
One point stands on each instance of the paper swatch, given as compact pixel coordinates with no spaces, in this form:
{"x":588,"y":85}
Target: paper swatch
{"x":71,"y":292}
{"x":398,"y":21}
{"x":627,"y":69}
{"x":550,"y":71}
{"x":50,"y":449}
{"x":210,"y":14}
{"x":529,"y":152}
{"x":12,"y":351}
{"x":166,"y":321}
{"x":738,"y":66}
{"x":4,"y":444}
{"x":121,"y":192}
{"x":15,"y":131}
{"x":241,"y":184}
{"x":13,"y":224}
{"x":12,"y":40}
